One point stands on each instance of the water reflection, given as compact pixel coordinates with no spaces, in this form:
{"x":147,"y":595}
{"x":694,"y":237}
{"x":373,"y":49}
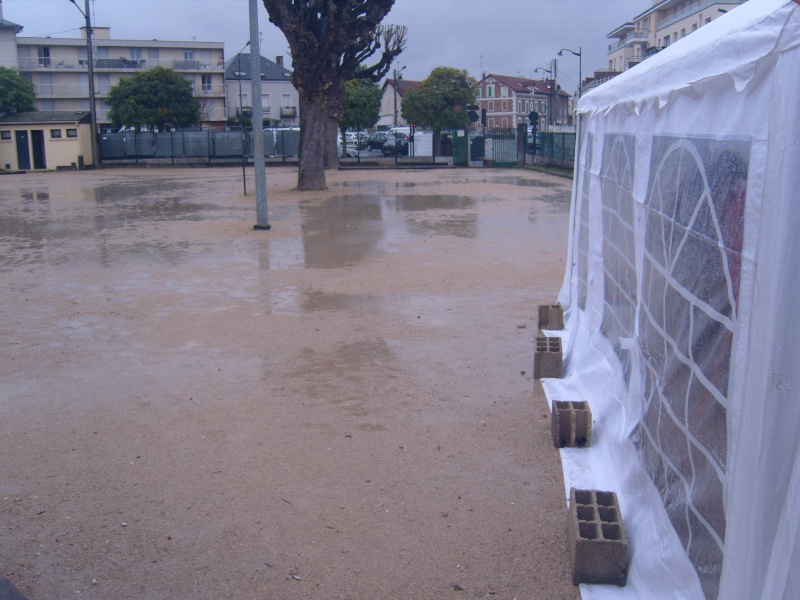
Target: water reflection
{"x":40,"y":227}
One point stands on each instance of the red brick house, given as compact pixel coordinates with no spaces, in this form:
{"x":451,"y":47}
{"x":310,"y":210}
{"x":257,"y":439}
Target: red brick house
{"x":508,"y":101}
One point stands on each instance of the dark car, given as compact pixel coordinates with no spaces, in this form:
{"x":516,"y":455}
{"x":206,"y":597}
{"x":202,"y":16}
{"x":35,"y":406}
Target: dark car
{"x":376,"y":140}
{"x":395,"y":145}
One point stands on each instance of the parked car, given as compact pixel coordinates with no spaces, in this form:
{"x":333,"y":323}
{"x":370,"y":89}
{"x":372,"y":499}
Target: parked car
{"x":395,"y":144}
{"x":358,"y":139}
{"x":376,"y":140}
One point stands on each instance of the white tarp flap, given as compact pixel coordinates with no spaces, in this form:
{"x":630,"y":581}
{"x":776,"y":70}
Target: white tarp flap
{"x":683,"y":273}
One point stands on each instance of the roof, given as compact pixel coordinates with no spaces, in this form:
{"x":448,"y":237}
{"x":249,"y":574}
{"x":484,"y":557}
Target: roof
{"x":517,"y":84}
{"x":241,"y":63}
{"x":47,"y":116}
{"x":522,"y":85}
{"x":733,"y":45}
{"x":403,"y":85}
{"x":9,"y":25}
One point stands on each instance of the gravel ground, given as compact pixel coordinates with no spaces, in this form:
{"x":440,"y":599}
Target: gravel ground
{"x":339,"y":408}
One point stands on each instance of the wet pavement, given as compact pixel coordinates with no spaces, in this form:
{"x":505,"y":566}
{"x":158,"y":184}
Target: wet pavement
{"x":340,"y":407}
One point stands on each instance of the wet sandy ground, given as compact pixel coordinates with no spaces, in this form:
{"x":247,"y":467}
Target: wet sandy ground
{"x":339,"y":408}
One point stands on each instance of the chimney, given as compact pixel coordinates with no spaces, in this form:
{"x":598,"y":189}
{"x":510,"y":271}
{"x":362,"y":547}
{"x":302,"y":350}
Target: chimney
{"x":278,"y":59}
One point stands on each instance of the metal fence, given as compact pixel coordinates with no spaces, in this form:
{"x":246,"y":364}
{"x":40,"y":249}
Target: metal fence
{"x":207,"y":146}
{"x":556,"y":149}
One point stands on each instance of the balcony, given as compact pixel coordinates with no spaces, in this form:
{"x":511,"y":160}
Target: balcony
{"x":206,"y":90}
{"x":288,"y":111}
{"x":49,"y":91}
{"x":690,"y":10}
{"x":115,"y":64}
{"x":632,"y":37}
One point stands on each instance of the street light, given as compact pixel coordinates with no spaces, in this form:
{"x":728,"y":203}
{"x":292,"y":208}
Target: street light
{"x":397,"y":75}
{"x":549,"y":119}
{"x":580,"y":66}
{"x":90,"y":57}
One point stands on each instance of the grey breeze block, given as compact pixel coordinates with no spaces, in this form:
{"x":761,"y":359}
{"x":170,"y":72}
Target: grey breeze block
{"x":571,"y":424}
{"x":598,"y":545}
{"x":551,"y":316}
{"x":548,"y":360}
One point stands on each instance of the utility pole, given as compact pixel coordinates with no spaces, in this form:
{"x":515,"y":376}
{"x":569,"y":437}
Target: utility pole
{"x":262,"y":221}
{"x":90,"y":56}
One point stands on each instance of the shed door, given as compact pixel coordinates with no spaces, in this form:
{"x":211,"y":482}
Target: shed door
{"x":23,"y":151}
{"x":37,"y":140}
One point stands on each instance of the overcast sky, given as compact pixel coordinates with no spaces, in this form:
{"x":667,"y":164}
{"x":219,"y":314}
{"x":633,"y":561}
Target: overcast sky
{"x":507,"y":37}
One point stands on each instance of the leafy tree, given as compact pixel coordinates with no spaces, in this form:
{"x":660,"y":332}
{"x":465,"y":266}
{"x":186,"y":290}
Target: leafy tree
{"x":440,"y":101}
{"x":16,"y":92}
{"x":328,"y":40}
{"x":158,"y":98}
{"x":362,"y":105}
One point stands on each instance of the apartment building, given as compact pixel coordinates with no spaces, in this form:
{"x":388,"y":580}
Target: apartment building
{"x":280,"y":100}
{"x":58,"y":69}
{"x":509,"y":100}
{"x":664,"y":23}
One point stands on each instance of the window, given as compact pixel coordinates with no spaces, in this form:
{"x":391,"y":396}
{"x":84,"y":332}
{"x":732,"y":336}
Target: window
{"x":205,"y":81}
{"x":694,"y":27}
{"x":55,"y":134}
{"x":490,"y":91}
{"x":5,"y":135}
{"x":491,"y":106}
{"x":136,"y":54}
{"x":50,"y":104}
{"x":152,"y":56}
{"x":503,"y":91}
{"x":478,"y":93}
{"x":44,"y":56}
{"x":286,"y":100}
{"x":266,"y":103}
{"x":683,"y":33}
{"x":188,"y":55}
{"x":72,"y":133}
{"x":103,"y":83}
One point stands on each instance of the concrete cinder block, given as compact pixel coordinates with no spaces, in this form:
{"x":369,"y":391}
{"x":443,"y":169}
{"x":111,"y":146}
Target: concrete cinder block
{"x":548,"y":360}
{"x":551,"y":316}
{"x":571,"y":424}
{"x":598,"y":545}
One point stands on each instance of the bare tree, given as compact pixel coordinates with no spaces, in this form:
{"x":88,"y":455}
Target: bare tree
{"x":328,"y":40}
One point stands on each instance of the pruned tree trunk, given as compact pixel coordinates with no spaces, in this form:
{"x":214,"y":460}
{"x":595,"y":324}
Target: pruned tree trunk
{"x":311,"y":172}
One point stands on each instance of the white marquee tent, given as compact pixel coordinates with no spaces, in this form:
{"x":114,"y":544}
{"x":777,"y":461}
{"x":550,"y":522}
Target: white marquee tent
{"x":680,"y":297}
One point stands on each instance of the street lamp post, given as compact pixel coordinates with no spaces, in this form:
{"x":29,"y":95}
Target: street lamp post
{"x":579,"y":54}
{"x":550,"y":102}
{"x":90,"y":56}
{"x":397,"y":75}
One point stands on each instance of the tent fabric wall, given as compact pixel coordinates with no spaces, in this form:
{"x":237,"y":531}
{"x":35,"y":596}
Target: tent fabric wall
{"x":679,"y":293}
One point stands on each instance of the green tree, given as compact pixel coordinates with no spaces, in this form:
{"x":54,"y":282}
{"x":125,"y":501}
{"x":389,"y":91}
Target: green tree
{"x":158,"y":98}
{"x":328,"y":40}
{"x":440,"y":101}
{"x":362,"y":106}
{"x":16,"y":92}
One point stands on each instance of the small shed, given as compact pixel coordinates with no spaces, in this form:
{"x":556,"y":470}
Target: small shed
{"x":45,"y":140}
